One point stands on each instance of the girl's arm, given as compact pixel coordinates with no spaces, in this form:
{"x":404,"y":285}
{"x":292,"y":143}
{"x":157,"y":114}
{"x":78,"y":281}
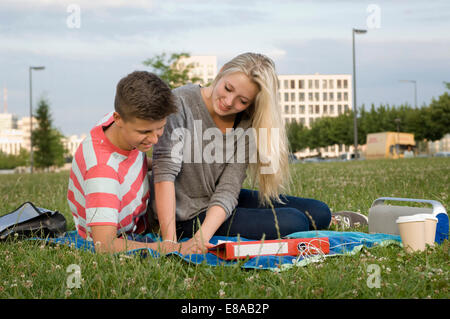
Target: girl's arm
{"x":165,"y":209}
{"x":199,"y":243}
{"x":221,"y":206}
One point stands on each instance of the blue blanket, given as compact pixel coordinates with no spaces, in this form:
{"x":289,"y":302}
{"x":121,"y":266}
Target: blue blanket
{"x":340,"y":243}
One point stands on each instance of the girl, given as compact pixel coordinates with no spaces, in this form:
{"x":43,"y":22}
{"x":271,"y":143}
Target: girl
{"x":200,"y":162}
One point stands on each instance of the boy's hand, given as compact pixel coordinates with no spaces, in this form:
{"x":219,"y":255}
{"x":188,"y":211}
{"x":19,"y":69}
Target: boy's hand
{"x":169,"y":246}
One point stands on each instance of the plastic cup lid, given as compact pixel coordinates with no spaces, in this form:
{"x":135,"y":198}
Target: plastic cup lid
{"x":428,"y":216}
{"x":411,"y":218}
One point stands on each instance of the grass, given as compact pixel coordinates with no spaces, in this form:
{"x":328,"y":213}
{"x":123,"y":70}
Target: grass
{"x":35,"y":270}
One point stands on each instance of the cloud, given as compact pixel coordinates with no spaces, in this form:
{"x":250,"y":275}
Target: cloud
{"x":78,"y":47}
{"x":380,"y":65}
{"x":302,"y":37}
{"x":85,"y":4}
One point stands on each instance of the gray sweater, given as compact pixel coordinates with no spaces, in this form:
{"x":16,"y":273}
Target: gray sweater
{"x":193,"y":153}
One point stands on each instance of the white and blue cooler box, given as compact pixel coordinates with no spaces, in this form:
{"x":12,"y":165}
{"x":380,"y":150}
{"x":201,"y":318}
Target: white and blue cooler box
{"x":382,"y":217}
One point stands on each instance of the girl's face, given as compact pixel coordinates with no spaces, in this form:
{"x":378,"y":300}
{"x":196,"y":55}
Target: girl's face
{"x":233,"y":93}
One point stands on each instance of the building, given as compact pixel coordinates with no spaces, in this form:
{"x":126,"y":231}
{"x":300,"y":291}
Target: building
{"x":204,"y":67}
{"x":8,"y":121}
{"x":11,"y":141}
{"x":442,"y":145}
{"x":23,"y":125}
{"x":15,"y":134}
{"x":72,"y":142}
{"x":305,"y":98}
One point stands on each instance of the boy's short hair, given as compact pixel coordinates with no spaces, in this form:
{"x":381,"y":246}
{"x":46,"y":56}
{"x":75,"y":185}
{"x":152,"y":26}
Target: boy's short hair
{"x":144,"y":95}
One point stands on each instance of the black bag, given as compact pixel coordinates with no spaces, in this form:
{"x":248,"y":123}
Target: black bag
{"x":31,"y":221}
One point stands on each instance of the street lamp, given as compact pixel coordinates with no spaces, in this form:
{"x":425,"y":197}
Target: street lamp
{"x":397,"y":145}
{"x":36,"y":68}
{"x":355,"y":108}
{"x":415,"y":89}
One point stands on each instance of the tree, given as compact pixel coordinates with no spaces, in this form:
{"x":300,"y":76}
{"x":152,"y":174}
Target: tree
{"x":346,"y":130}
{"x":322,"y":132}
{"x":291,"y":132}
{"x":9,"y":161}
{"x":437,"y":118}
{"x":46,"y":139}
{"x":430,"y":123}
{"x":297,"y":136}
{"x":171,"y":70}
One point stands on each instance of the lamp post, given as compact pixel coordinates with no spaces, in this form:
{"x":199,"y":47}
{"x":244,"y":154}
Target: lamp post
{"x":37,"y":68}
{"x":415,"y":89}
{"x":397,"y":145}
{"x":355,"y":108}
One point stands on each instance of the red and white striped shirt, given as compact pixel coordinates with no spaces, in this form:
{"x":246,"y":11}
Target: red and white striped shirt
{"x":108,"y":185}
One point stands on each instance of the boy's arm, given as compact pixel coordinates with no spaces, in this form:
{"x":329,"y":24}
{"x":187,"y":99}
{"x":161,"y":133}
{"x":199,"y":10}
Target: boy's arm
{"x":102,"y":212}
{"x":106,"y":241}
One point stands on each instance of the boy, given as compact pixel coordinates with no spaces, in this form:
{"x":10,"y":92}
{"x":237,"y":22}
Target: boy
{"x":108,"y":186}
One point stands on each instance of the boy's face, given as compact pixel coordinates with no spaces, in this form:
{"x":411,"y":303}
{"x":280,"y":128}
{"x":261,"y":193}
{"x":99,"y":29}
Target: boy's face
{"x":138,"y":133}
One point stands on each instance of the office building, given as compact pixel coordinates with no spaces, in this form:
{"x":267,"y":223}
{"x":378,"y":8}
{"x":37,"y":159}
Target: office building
{"x":308,"y":97}
{"x":203,"y":67}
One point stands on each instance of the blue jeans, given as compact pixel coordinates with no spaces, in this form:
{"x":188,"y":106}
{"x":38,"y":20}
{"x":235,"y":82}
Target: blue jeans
{"x":251,"y":220}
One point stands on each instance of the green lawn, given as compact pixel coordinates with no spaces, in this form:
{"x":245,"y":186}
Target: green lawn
{"x":34,"y":270}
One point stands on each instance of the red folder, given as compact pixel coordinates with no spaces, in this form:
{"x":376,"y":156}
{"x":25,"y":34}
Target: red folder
{"x":282,"y":247}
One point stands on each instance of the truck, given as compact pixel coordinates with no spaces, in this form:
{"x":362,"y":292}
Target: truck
{"x":388,"y":144}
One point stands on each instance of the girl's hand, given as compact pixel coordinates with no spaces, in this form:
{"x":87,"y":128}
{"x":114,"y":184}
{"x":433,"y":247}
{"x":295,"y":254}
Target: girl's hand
{"x":195,"y":246}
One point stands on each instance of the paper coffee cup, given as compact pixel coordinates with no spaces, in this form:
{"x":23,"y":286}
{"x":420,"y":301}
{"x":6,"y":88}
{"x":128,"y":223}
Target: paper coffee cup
{"x":412,"y":232}
{"x":430,"y":228}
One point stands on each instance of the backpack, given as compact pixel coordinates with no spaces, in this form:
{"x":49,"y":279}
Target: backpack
{"x":30,"y":221}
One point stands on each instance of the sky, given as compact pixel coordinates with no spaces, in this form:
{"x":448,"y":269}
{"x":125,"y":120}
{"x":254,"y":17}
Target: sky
{"x":87,"y":46}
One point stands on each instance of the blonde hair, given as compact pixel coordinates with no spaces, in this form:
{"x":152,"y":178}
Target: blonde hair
{"x":265,"y":114}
